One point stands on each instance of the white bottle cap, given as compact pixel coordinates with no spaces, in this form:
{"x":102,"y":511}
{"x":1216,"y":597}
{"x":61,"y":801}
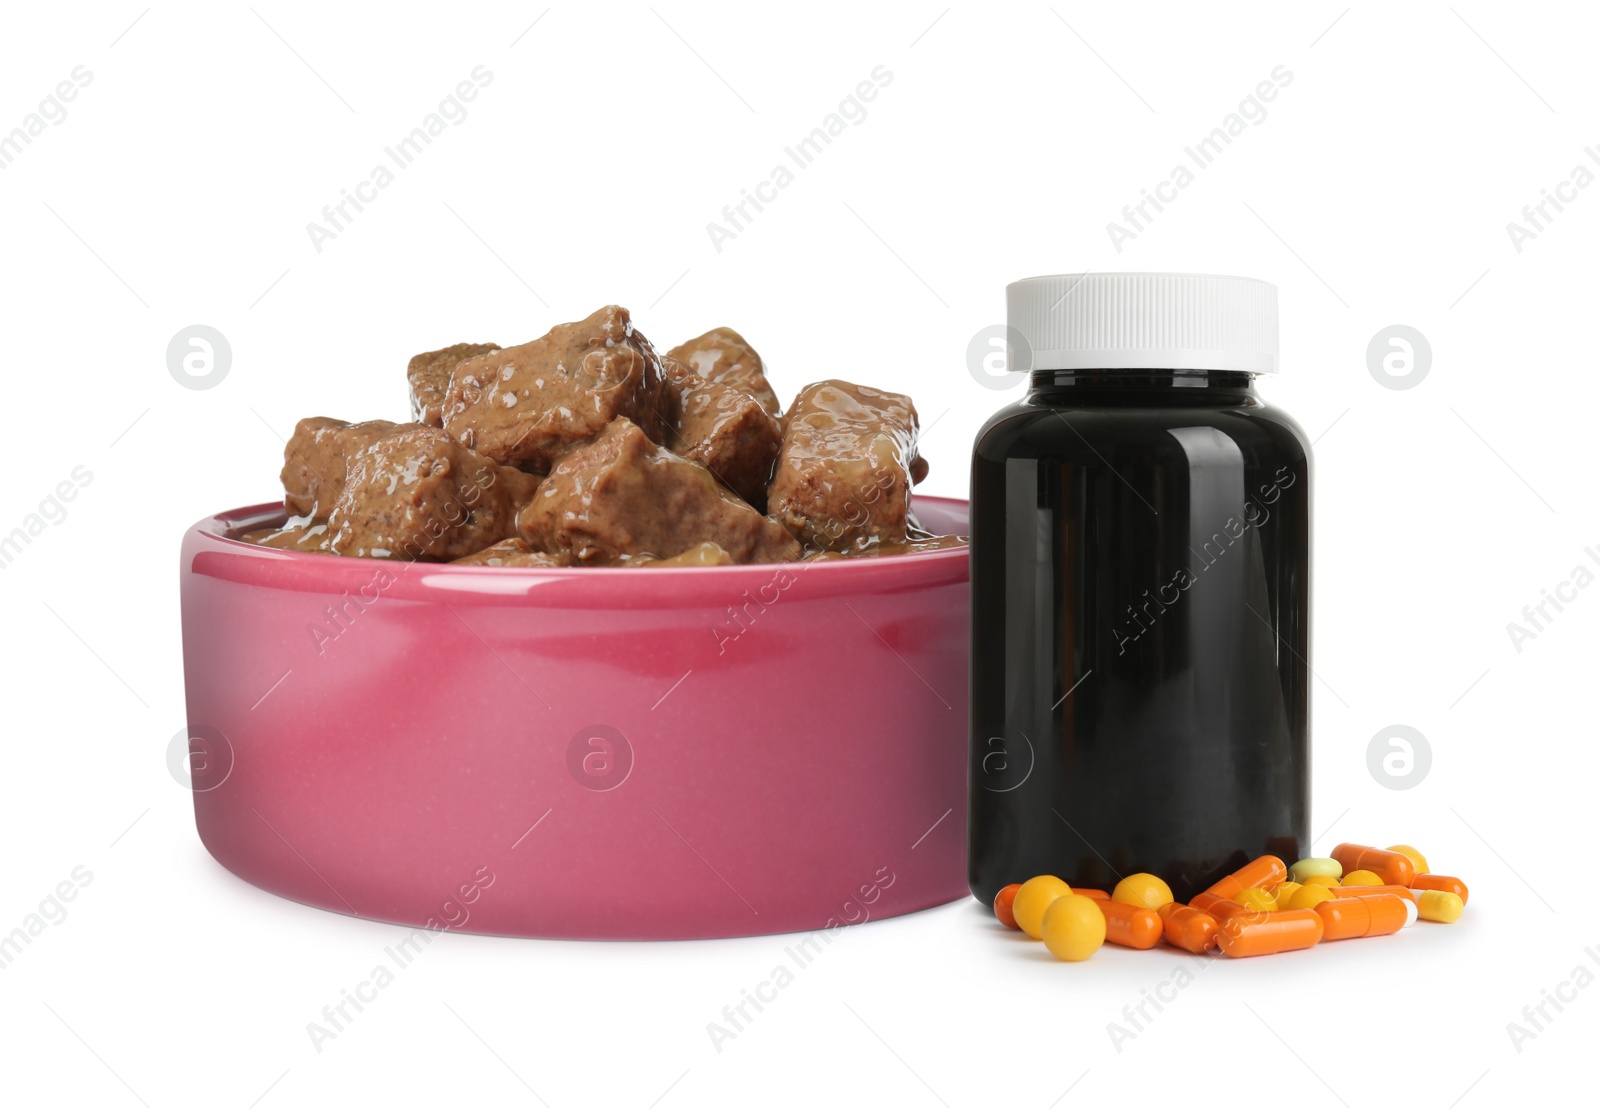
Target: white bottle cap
{"x":1144,"y":320}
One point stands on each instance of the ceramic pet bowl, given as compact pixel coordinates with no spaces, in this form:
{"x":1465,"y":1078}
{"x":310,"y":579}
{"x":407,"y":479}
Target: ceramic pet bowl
{"x":594,"y":753}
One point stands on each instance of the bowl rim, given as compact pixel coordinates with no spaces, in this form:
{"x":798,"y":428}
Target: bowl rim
{"x":249,"y":562}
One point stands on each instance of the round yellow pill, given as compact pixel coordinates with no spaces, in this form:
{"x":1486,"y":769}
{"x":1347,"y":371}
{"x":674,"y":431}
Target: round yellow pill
{"x":1074,"y":927}
{"x":1363,"y":878}
{"x":1256,"y":899}
{"x":1438,"y":906}
{"x":1418,"y":861}
{"x":1281,"y":893}
{"x":1143,"y":890}
{"x":1307,"y":896}
{"x":1033,"y":898}
{"x":1322,"y":881}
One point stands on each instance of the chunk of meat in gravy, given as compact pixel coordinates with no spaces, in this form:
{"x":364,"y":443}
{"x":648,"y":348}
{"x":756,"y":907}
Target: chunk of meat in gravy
{"x":725,"y":430}
{"x":314,"y":462}
{"x":428,"y":376}
{"x":622,"y":496}
{"x":723,"y":357}
{"x":416,"y":494}
{"x":526,"y":405}
{"x":848,"y":462}
{"x":513,"y":552}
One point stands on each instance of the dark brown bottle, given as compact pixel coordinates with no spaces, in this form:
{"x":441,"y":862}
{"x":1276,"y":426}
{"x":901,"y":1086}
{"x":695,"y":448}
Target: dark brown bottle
{"x":1141,"y":542}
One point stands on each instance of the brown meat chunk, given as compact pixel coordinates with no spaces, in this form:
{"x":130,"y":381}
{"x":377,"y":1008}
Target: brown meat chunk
{"x":315,"y":459}
{"x":416,"y":494}
{"x":513,"y":552}
{"x":723,"y":357}
{"x":847,"y":465}
{"x":428,"y":375}
{"x":725,"y":430}
{"x":526,"y":405}
{"x":621,"y":495}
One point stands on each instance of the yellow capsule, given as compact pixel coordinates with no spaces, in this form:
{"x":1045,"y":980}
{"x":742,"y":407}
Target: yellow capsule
{"x":1302,"y":870}
{"x":1418,"y":861}
{"x":1281,"y":893}
{"x":1363,"y":878}
{"x":1256,"y":899}
{"x":1307,"y":896}
{"x":1439,"y":906}
{"x":1074,"y":927}
{"x":1323,"y":881}
{"x":1033,"y":898}
{"x":1143,"y":890}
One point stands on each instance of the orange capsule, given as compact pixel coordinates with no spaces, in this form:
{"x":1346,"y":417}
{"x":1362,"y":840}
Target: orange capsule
{"x":1365,"y":916}
{"x":1002,"y":906}
{"x":1216,"y":906}
{"x":1265,"y":872}
{"x":1187,"y":927}
{"x":1257,"y":933}
{"x":1371,"y":889}
{"x":1227,"y":887}
{"x":1427,"y":882}
{"x":1139,"y":927}
{"x":1091,"y":892}
{"x":1392,"y":867}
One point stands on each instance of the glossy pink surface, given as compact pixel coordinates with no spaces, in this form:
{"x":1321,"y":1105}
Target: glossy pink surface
{"x":645,"y":754}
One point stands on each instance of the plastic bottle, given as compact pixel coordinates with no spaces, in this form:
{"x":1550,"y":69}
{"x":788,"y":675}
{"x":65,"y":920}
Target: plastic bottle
{"x":1141,"y":540}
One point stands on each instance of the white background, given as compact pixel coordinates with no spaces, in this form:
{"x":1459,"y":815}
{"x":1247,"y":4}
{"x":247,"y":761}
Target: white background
{"x":1376,"y":192}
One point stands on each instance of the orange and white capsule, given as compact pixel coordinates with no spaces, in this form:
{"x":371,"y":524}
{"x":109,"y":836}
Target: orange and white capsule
{"x":1391,"y":867}
{"x":1187,"y":927}
{"x":1138,"y":927}
{"x":1396,"y":890}
{"x":1265,"y":872}
{"x":1364,"y":916}
{"x":1257,"y":933}
{"x":1091,"y":892}
{"x":1429,"y":882}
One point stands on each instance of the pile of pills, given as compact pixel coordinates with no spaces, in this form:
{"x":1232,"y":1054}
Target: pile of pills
{"x":1358,"y":892}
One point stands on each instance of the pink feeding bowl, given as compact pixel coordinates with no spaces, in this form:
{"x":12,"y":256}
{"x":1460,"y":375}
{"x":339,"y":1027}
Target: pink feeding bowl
{"x":607,"y":753}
